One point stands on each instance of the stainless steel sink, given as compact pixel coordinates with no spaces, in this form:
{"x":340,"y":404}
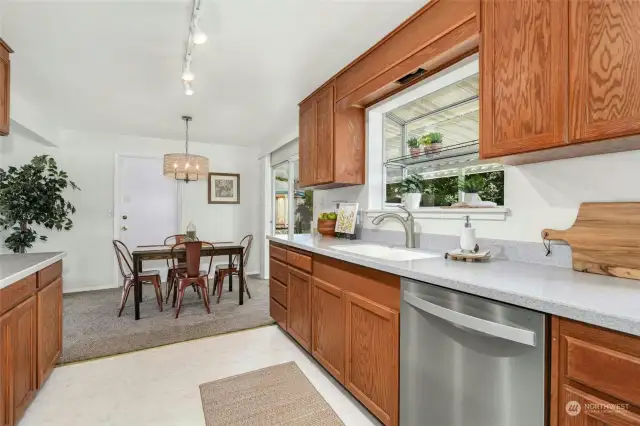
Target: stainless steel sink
{"x":382,"y":252}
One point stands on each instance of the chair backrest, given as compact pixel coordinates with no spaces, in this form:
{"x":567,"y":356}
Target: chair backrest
{"x":125,"y":261}
{"x":246,"y":242}
{"x":191,"y":252}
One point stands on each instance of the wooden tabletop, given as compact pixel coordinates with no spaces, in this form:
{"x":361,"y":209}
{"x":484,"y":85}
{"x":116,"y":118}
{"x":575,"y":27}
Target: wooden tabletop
{"x":161,"y":249}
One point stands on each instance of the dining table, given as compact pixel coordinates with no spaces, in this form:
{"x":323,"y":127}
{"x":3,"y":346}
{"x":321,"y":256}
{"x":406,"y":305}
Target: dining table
{"x":160,"y":252}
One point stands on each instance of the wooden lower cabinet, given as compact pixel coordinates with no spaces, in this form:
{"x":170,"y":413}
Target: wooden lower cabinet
{"x":299,"y":306}
{"x":6,"y":407}
{"x":327,"y":327}
{"x":583,"y":409}
{"x":19,"y":353}
{"x":49,"y":329}
{"x":595,"y":376}
{"x":372,"y":346}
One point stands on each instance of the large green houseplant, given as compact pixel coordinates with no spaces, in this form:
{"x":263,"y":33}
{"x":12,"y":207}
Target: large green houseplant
{"x":32,"y":195}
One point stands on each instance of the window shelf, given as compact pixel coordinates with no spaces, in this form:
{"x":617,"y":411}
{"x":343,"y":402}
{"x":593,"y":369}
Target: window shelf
{"x":450,"y":157}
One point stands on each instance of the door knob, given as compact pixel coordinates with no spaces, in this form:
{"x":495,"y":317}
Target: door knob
{"x":124,"y":217}
{"x":124,"y":228}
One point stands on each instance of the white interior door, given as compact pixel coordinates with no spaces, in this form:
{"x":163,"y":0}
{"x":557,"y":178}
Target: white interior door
{"x":147,"y":204}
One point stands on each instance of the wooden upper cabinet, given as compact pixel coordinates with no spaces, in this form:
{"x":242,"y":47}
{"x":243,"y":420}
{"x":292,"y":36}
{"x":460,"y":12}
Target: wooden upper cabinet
{"x":371,"y":344}
{"x":317,"y":141}
{"x":307,"y":143}
{"x":49,"y":329}
{"x":522,"y":56}
{"x":324,"y":102}
{"x":299,"y":307}
{"x":5,"y":82}
{"x":604,"y":73}
{"x":327,"y":327}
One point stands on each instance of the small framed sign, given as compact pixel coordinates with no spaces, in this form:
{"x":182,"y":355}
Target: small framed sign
{"x":224,"y":188}
{"x":346,"y":222}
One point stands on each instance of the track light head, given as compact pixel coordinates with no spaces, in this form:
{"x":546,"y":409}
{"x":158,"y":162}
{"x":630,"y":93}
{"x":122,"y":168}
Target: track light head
{"x":199,"y":37}
{"x":188,"y":90}
{"x":187,"y":75}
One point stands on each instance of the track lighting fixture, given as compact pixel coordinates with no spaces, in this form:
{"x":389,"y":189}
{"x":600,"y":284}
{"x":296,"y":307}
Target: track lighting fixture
{"x":196,"y":36}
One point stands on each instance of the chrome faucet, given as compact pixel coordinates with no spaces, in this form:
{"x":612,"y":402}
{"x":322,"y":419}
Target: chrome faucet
{"x":407,"y":223}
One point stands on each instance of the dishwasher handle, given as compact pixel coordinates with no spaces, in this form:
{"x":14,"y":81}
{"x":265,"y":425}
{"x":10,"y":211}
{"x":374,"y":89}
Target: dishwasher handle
{"x":507,"y":332}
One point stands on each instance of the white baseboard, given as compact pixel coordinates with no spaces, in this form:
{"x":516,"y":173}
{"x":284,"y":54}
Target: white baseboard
{"x":78,"y":290}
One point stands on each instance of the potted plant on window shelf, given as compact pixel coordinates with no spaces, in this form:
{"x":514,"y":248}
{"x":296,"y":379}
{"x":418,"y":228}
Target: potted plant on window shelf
{"x":425,"y":141}
{"x":411,"y":189}
{"x":414,"y":147}
{"x":436,"y":141}
{"x":327,"y":224}
{"x":471,"y":185}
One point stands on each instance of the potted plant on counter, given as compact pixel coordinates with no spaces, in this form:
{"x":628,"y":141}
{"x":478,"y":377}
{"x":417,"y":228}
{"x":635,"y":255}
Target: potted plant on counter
{"x":414,"y":147}
{"x":411,"y":189}
{"x":327,"y":224}
{"x":471,"y":185}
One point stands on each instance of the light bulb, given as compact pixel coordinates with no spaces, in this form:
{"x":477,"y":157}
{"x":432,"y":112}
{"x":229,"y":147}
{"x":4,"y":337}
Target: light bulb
{"x":199,"y":37}
{"x":175,"y":165}
{"x":186,"y":166}
{"x":188,"y":90}
{"x":187,"y":75}
{"x":197,"y":166}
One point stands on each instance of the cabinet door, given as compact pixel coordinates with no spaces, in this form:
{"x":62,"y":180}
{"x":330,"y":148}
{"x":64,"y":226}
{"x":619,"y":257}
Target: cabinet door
{"x":49,"y":329}
{"x":371,"y":344}
{"x":324,"y":101}
{"x":579,"y":408}
{"x":523,"y":88}
{"x":327,"y":327}
{"x":299,"y":307}
{"x":5,"y":81}
{"x":23,"y":357}
{"x":6,"y":406}
{"x":604,"y":58}
{"x":307,"y":143}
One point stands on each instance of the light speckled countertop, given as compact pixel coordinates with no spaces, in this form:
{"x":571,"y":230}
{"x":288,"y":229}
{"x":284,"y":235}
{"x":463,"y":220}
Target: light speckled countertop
{"x":14,"y":267}
{"x":609,"y":302}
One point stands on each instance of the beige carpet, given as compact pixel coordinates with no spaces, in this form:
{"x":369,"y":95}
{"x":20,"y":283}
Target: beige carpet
{"x":91,"y":328}
{"x":277,"y":396}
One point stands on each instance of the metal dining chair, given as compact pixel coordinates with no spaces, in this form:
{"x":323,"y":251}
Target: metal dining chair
{"x":192,"y":275}
{"x":125,"y":262}
{"x":222,"y":271}
{"x":171,"y":272}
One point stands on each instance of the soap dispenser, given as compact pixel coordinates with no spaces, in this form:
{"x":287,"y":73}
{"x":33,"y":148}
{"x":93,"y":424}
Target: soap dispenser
{"x":468,"y":237}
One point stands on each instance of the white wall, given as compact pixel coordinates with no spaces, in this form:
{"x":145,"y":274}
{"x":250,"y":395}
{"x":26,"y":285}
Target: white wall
{"x":89,"y":161}
{"x":542,"y":195}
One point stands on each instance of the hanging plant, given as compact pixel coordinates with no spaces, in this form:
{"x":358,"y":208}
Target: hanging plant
{"x":32,"y":195}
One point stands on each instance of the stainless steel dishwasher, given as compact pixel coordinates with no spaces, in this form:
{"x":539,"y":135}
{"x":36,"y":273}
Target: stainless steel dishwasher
{"x":469,"y":361}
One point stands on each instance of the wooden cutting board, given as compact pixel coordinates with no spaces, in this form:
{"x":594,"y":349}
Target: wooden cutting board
{"x":605,"y":239}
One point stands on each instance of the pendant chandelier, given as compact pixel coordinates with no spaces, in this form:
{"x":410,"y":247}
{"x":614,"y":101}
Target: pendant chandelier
{"x":185,"y":166}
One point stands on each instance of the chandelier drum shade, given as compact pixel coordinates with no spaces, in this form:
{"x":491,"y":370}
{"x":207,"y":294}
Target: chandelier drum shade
{"x":185,"y":166}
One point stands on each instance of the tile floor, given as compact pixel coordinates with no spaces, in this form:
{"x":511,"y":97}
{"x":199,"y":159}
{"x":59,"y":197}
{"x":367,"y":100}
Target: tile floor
{"x":160,"y":386}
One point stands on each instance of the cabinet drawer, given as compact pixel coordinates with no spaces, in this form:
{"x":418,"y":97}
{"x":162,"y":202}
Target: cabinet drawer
{"x":278,"y":253}
{"x":278,"y":291}
{"x":49,"y":274}
{"x":278,"y":271}
{"x":12,"y":295}
{"x":601,"y":359}
{"x":278,"y":313}
{"x":299,"y":260}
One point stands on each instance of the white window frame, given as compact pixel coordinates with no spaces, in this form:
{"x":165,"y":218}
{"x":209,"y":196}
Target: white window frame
{"x":376,"y":173}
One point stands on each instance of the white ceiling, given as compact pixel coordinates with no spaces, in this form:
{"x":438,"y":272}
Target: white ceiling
{"x":114,"y":66}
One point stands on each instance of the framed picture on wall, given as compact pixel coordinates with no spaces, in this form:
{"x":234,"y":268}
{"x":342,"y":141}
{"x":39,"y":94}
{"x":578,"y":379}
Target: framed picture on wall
{"x":224,"y":188}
